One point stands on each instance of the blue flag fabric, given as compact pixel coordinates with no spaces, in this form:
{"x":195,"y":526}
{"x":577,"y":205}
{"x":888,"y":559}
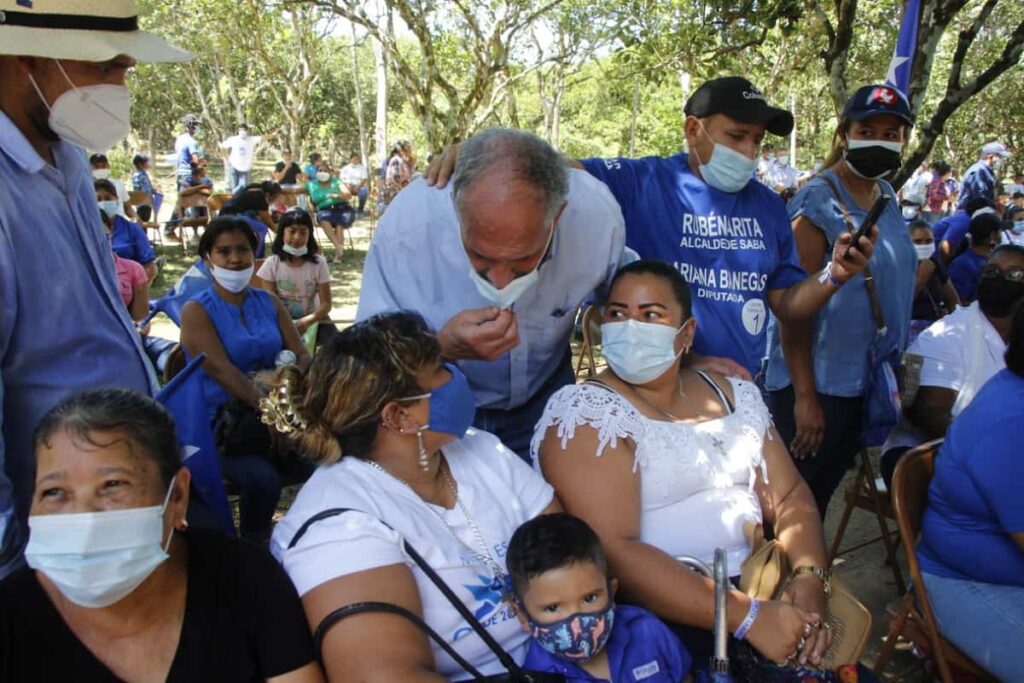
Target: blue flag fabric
{"x":196,"y":279}
{"x":906,"y":44}
{"x":183,"y":399}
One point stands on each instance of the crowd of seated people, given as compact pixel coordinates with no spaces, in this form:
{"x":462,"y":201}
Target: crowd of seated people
{"x":444,"y":450}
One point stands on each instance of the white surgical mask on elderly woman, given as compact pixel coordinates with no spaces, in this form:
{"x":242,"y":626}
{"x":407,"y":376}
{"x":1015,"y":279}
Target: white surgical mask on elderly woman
{"x":639,"y":352}
{"x":97,"y":558}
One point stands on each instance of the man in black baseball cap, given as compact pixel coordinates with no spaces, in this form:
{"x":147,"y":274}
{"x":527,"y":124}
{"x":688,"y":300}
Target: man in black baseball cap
{"x":728,"y":234}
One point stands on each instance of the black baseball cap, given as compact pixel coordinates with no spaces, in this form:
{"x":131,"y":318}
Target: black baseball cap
{"x":873,"y":100}
{"x":737,"y":98}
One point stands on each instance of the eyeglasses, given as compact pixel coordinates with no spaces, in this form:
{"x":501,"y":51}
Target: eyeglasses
{"x":1015,"y":274}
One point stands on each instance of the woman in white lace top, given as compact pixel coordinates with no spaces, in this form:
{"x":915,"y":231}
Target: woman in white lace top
{"x":665,"y":461}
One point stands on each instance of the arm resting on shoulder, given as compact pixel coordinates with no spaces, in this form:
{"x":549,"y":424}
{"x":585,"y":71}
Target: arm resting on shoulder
{"x":372,"y":647}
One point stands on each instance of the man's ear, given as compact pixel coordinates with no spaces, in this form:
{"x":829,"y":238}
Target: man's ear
{"x":613,"y":586}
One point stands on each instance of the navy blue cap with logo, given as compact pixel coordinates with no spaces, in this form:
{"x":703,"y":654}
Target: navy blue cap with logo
{"x":737,"y":98}
{"x":875,"y":100}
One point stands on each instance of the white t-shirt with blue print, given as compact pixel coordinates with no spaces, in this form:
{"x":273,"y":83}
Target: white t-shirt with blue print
{"x":733,"y":248}
{"x":499,"y":490}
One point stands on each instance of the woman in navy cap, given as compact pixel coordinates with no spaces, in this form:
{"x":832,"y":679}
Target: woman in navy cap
{"x":817,"y":371}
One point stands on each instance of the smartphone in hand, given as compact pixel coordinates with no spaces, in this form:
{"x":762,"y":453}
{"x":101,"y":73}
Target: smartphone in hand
{"x":869,"y":222}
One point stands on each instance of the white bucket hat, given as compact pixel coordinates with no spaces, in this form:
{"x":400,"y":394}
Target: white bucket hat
{"x":84,"y":30}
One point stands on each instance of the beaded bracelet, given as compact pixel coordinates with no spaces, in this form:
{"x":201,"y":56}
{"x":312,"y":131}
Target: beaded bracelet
{"x":748,"y":621}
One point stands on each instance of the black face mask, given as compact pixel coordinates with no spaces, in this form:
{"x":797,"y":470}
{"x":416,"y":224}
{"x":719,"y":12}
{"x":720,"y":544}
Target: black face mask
{"x":873,"y":162}
{"x":997,"y":296}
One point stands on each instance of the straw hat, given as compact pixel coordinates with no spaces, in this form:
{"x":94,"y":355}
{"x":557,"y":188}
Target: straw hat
{"x":84,"y":30}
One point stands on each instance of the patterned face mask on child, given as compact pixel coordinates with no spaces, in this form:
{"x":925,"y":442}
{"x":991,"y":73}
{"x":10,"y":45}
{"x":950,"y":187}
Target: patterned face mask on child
{"x":579,"y":637}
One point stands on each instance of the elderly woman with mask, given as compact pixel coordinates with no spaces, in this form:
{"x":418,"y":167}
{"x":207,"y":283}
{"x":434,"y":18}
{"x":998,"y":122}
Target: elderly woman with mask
{"x":117,"y":587}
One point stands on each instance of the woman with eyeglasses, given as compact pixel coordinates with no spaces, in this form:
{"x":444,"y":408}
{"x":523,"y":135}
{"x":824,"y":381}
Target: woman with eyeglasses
{"x":972,"y":534}
{"x":959,"y":353}
{"x":117,"y":587}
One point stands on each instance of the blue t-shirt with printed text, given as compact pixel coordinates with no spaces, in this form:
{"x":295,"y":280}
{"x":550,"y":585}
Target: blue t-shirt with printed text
{"x":733,"y":248}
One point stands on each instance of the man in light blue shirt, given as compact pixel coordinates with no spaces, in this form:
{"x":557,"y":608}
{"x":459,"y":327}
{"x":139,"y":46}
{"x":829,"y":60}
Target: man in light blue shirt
{"x":498,"y":263}
{"x":63,"y":326}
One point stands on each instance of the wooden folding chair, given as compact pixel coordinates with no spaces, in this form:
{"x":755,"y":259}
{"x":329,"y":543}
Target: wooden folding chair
{"x":868,"y":492}
{"x":199,"y":198}
{"x":914,"y":619}
{"x":216,"y":202}
{"x":591,"y":325}
{"x":137,"y":199}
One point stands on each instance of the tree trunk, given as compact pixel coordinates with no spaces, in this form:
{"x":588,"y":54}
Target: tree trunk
{"x":380,"y":66}
{"x":632,"y":120}
{"x":360,"y":117}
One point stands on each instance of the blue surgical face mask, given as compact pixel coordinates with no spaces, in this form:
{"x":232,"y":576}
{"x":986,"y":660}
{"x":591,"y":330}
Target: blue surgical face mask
{"x":639,"y":352}
{"x":452,"y":406}
{"x":727,"y":170}
{"x":109,"y":207}
{"x":1018,"y":228}
{"x":579,"y":637}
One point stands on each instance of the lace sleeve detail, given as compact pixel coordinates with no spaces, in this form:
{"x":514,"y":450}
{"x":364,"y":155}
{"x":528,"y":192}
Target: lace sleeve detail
{"x":755,"y":417}
{"x":596,"y":407}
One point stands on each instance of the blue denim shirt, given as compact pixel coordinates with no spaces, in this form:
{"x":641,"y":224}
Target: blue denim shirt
{"x":63,"y":327}
{"x":845,"y":328}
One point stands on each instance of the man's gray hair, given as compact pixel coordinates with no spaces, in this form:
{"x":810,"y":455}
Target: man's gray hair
{"x":528,"y":157}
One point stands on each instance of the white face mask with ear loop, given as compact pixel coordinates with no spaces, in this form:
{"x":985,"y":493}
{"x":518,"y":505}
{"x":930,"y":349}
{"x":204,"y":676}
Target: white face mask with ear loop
{"x":510,"y":293}
{"x":92,"y":116}
{"x":726,"y":170}
{"x":97,"y":558}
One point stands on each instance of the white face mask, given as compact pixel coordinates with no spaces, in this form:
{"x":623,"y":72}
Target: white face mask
{"x":244,"y":134}
{"x":97,"y":558}
{"x":925,"y":251}
{"x":510,"y":293}
{"x":93,"y":116}
{"x":639,"y":352}
{"x":294,"y":251}
{"x":1018,"y":228}
{"x":727,"y":170}
{"x":323,"y":176}
{"x":783,"y":160}
{"x":109,"y":207}
{"x":232,"y":280}
{"x":910,"y":212}
{"x":101,"y":173}
{"x":818,"y":165}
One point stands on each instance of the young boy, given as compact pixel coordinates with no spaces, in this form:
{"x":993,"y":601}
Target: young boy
{"x":565,"y":601}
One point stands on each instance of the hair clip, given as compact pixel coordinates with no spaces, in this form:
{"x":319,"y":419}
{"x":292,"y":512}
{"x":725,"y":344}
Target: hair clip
{"x":280,"y":412}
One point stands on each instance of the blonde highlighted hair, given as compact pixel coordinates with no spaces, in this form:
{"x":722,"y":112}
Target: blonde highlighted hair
{"x":333,"y":408}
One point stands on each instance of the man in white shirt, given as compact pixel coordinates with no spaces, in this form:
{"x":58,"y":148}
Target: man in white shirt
{"x":782,"y":175}
{"x":354,"y":177}
{"x":241,"y":153}
{"x":498,"y":263}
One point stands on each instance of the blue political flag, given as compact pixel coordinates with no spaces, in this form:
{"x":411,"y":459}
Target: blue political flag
{"x":902,"y":62}
{"x":183,"y":399}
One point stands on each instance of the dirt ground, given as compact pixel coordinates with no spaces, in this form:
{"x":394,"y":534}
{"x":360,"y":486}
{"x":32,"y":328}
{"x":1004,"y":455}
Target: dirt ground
{"x":864,"y":571}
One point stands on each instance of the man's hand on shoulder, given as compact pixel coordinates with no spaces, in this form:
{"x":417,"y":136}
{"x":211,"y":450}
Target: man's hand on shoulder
{"x":479,"y":334}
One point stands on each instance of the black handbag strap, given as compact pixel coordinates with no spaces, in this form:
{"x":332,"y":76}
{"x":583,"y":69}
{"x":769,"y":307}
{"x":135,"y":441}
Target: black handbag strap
{"x":363,"y":607}
{"x":869,"y":278}
{"x":504,"y":657}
